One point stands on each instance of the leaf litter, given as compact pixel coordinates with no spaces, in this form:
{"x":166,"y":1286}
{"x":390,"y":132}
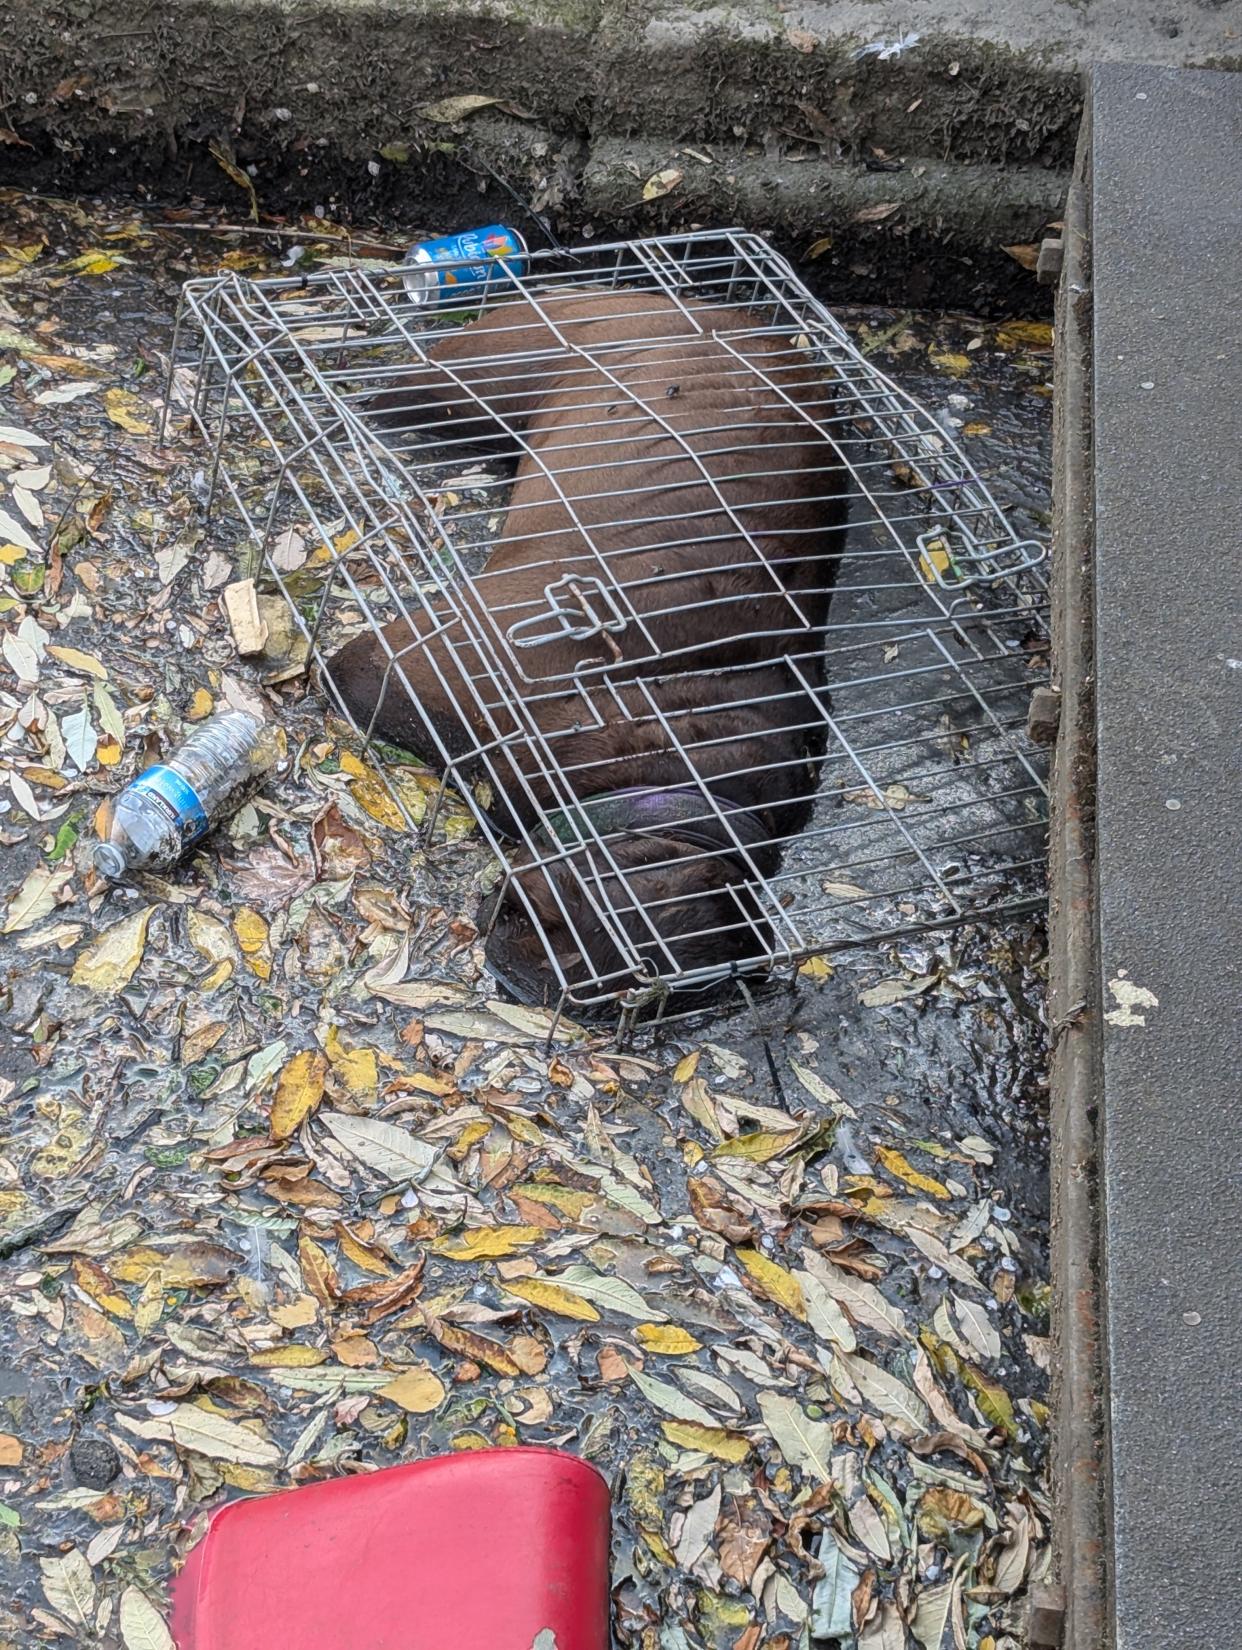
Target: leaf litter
{"x":285,"y":1192}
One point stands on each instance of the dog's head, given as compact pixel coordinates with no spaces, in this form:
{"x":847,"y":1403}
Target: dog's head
{"x":644,"y":906}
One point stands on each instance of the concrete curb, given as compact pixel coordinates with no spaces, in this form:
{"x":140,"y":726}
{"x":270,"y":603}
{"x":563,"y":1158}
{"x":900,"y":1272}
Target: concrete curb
{"x":1073,"y":1006}
{"x":797,"y":107}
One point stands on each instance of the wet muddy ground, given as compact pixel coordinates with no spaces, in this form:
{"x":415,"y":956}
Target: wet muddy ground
{"x":284,"y":1193}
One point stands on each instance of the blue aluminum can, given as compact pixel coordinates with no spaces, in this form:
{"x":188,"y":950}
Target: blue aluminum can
{"x":455,"y":267}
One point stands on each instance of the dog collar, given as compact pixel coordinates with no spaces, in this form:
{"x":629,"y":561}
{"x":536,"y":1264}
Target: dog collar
{"x":681,"y":810}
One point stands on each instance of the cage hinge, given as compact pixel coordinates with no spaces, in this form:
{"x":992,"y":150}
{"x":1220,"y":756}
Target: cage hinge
{"x":956,"y":559}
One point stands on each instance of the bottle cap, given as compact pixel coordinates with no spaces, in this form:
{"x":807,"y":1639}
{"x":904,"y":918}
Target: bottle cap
{"x":108,"y":860}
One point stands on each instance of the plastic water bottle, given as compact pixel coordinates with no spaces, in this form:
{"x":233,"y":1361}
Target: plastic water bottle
{"x":168,"y":807}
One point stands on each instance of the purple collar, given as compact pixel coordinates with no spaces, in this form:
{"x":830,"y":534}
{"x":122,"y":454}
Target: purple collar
{"x":708,"y":821}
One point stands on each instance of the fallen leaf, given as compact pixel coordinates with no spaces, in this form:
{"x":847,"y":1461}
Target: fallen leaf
{"x":357,"y":1068}
{"x":804,"y":1442}
{"x":774,"y":1281}
{"x":885,"y":1392}
{"x":878,"y":211}
{"x":12,"y":532}
{"x":824,"y":1315}
{"x":222,"y":1440}
{"x":487,"y":1242}
{"x":299,"y":1089}
{"x":37,"y":897}
{"x":241,"y":608}
{"x":142,"y":1626}
{"x":886,"y":992}
{"x":391,"y":1151}
{"x":661,"y":183}
{"x":863,"y":1301}
{"x":900,"y":1166}
{"x":1027,"y":254}
{"x":666,"y":1339}
{"x":950,"y":361}
{"x":1025,"y":335}
{"x":242,"y":179}
{"x":126,"y":410}
{"x":551,"y":1298}
{"x":417,"y":1391}
{"x":289,"y":1357}
{"x":832,"y":1615}
{"x":449,"y":110}
{"x":69,"y":1587}
{"x":108,"y":965}
{"x":672,"y":1400}
{"x":10,"y":1450}
{"x":718,"y":1442}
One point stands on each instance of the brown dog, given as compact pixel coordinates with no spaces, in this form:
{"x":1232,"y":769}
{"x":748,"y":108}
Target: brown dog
{"x":689,"y":477}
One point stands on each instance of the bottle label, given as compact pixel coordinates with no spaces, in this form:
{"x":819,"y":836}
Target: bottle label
{"x":176,"y":798}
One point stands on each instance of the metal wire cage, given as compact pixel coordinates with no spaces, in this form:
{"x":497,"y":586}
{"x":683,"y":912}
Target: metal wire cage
{"x":925,"y":803}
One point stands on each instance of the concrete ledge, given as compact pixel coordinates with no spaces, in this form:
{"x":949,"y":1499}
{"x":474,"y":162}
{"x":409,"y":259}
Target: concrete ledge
{"x":318,"y":97}
{"x":915,"y":230}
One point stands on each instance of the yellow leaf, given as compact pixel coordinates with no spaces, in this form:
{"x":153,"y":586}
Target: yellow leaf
{"x":300,"y":1312}
{"x":466,"y":1441}
{"x":417,"y":1391}
{"x":373,"y":799}
{"x":110,"y":963}
{"x":948,"y":361}
{"x":80,"y":661}
{"x":251,"y":931}
{"x":760,"y":1147}
{"x":200,"y":706}
{"x":900,"y":1166}
{"x":713,"y":1441}
{"x":289,"y":1357}
{"x":94,"y":262}
{"x":563,"y":1198}
{"x":299,"y":1089}
{"x":123,"y":408}
{"x":487,"y":1242}
{"x":366,"y":1259}
{"x":149,"y":1307}
{"x":666,"y":1339}
{"x":552,"y":1298}
{"x":685,"y":1068}
{"x":318,"y":1272}
{"x":816,"y":968}
{"x":774,"y":1281}
{"x":11,"y":554}
{"x":470,"y":1136}
{"x":108,"y":751}
{"x":355,"y":1067}
{"x":1017,"y":335}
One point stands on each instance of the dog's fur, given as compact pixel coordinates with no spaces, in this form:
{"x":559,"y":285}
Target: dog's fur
{"x":640,"y":491}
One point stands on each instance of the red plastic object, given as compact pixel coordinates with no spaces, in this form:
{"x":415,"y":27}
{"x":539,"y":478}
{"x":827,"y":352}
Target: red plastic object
{"x":498,"y":1550}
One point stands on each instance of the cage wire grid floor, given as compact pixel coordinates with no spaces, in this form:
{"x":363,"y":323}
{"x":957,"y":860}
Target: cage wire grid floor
{"x":928,"y":800}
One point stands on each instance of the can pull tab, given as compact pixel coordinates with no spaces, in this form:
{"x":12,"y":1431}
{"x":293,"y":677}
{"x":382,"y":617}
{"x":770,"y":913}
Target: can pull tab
{"x":578,"y":608}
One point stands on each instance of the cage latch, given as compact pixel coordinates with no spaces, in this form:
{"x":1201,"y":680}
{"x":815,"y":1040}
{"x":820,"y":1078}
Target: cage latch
{"x":955,"y":559}
{"x":578,"y":608}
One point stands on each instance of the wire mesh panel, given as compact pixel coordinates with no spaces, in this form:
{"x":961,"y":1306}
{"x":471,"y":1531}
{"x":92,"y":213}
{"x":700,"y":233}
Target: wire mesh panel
{"x":713,"y":626}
